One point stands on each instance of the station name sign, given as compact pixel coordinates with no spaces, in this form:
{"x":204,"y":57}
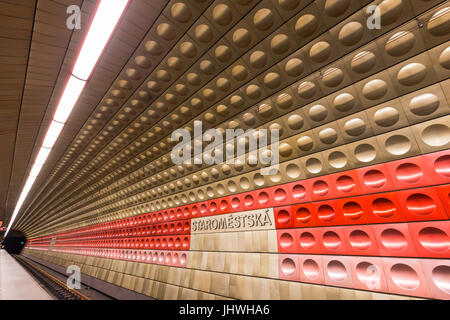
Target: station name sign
{"x":261,"y":219}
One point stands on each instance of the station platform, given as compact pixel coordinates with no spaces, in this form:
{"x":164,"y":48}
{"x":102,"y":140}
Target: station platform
{"x":16,"y":283}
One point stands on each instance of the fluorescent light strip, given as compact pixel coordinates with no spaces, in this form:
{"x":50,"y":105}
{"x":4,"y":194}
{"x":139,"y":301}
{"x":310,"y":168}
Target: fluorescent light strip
{"x":105,"y":20}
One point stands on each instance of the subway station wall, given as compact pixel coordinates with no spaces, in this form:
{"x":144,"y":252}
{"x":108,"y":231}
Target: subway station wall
{"x":359,"y":207}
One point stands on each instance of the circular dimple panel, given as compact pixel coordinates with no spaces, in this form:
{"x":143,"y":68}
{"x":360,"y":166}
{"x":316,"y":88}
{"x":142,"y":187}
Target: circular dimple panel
{"x":420,"y":204}
{"x":331,"y":240}
{"x":400,"y":43}
{"x":367,"y":273}
{"x":326,"y":213}
{"x":306,"y":25}
{"x":386,"y":117}
{"x":166,"y":31}
{"x":272,"y":80}
{"x":375,"y":89}
{"x":412,"y":74}
{"x":286,"y":240}
{"x":188,"y":49}
{"x":337,"y":159}
{"x":294,"y":67}
{"x":303,"y":215}
{"x":351,"y":33}
{"x":153,"y":47}
{"x":318,"y":113}
{"x":242,"y":37}
{"x":390,"y":11}
{"x":344,"y":102}
{"x":352,"y":210}
{"x":434,"y":239}
{"x":288,"y":266}
{"x":424,"y":104}
{"x":441,"y":277}
{"x":408,"y":172}
{"x":313,"y":165}
{"x":354,"y":127}
{"x":333,"y":77}
{"x":293,"y":171}
{"x":383,"y":207}
{"x":436,"y":135}
{"x":334,"y":8}
{"x":363,"y":62}
{"x":258,"y":59}
{"x":439,"y":23}
{"x":320,"y":188}
{"x":298,"y":191}
{"x":284,"y":101}
{"x":263,"y":19}
{"x":345,"y":183}
{"x":280,"y":44}
{"x":305,"y":143}
{"x":280,"y":195}
{"x":306,"y":90}
{"x":393,"y":240}
{"x":397,"y":145}
{"x":222,"y":14}
{"x":283,"y":217}
{"x":320,"y":51}
{"x":307,"y":240}
{"x":181,"y":12}
{"x":328,"y":136}
{"x":442,"y":166}
{"x":310,"y":269}
{"x":404,"y":276}
{"x":253,"y":91}
{"x":444,"y":58}
{"x":365,"y":152}
{"x":223,"y":53}
{"x":360,"y":240}
{"x":337,"y":271}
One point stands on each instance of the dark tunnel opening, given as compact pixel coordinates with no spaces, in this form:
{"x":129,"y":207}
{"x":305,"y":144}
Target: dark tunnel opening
{"x":14,"y":242}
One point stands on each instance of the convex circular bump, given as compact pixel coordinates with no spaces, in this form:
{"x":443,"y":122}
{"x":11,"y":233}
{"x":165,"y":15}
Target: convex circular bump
{"x":284,"y":101}
{"x":306,"y":90}
{"x":305,"y":143}
{"x":436,"y":135}
{"x":143,"y":62}
{"x":318,"y":112}
{"x":265,"y":110}
{"x":444,"y":58}
{"x":181,"y":12}
{"x":133,"y":74}
{"x":344,"y":102}
{"x":363,"y":62}
{"x":295,"y":122}
{"x":239,"y":72}
{"x":163,"y":75}
{"x":258,"y":59}
{"x":175,"y":63}
{"x":285,"y":150}
{"x":280,"y":43}
{"x":355,"y":127}
{"x":439,"y":23}
{"x":332,"y":77}
{"x":253,"y":91}
{"x":351,"y":33}
{"x":166,"y":31}
{"x":272,"y":80}
{"x":328,"y":136}
{"x":306,"y":25}
{"x":242,"y":37}
{"x":335,"y":8}
{"x":375,"y":89}
{"x":400,"y":43}
{"x":412,"y":74}
{"x":207,"y":67}
{"x":203,"y":33}
{"x":386,"y":117}
{"x":223,"y":84}
{"x":188,"y":49}
{"x":390,"y":11}
{"x":288,"y":4}
{"x":294,"y":67}
{"x":181,"y":89}
{"x":320,"y":51}
{"x":222,"y":14}
{"x":424,"y":104}
{"x":263,"y":19}
{"x":223,"y":53}
{"x":398,"y":145}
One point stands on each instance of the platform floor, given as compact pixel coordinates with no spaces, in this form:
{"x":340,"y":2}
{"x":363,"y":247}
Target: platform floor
{"x":16,"y":283}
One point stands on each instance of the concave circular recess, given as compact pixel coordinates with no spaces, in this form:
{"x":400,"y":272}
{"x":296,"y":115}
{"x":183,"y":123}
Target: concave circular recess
{"x":288,"y":266}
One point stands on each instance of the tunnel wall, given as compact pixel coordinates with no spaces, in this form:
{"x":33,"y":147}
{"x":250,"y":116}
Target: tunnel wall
{"x":359,"y":206}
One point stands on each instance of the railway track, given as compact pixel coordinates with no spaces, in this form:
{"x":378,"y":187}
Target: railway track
{"x":55,"y":286}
